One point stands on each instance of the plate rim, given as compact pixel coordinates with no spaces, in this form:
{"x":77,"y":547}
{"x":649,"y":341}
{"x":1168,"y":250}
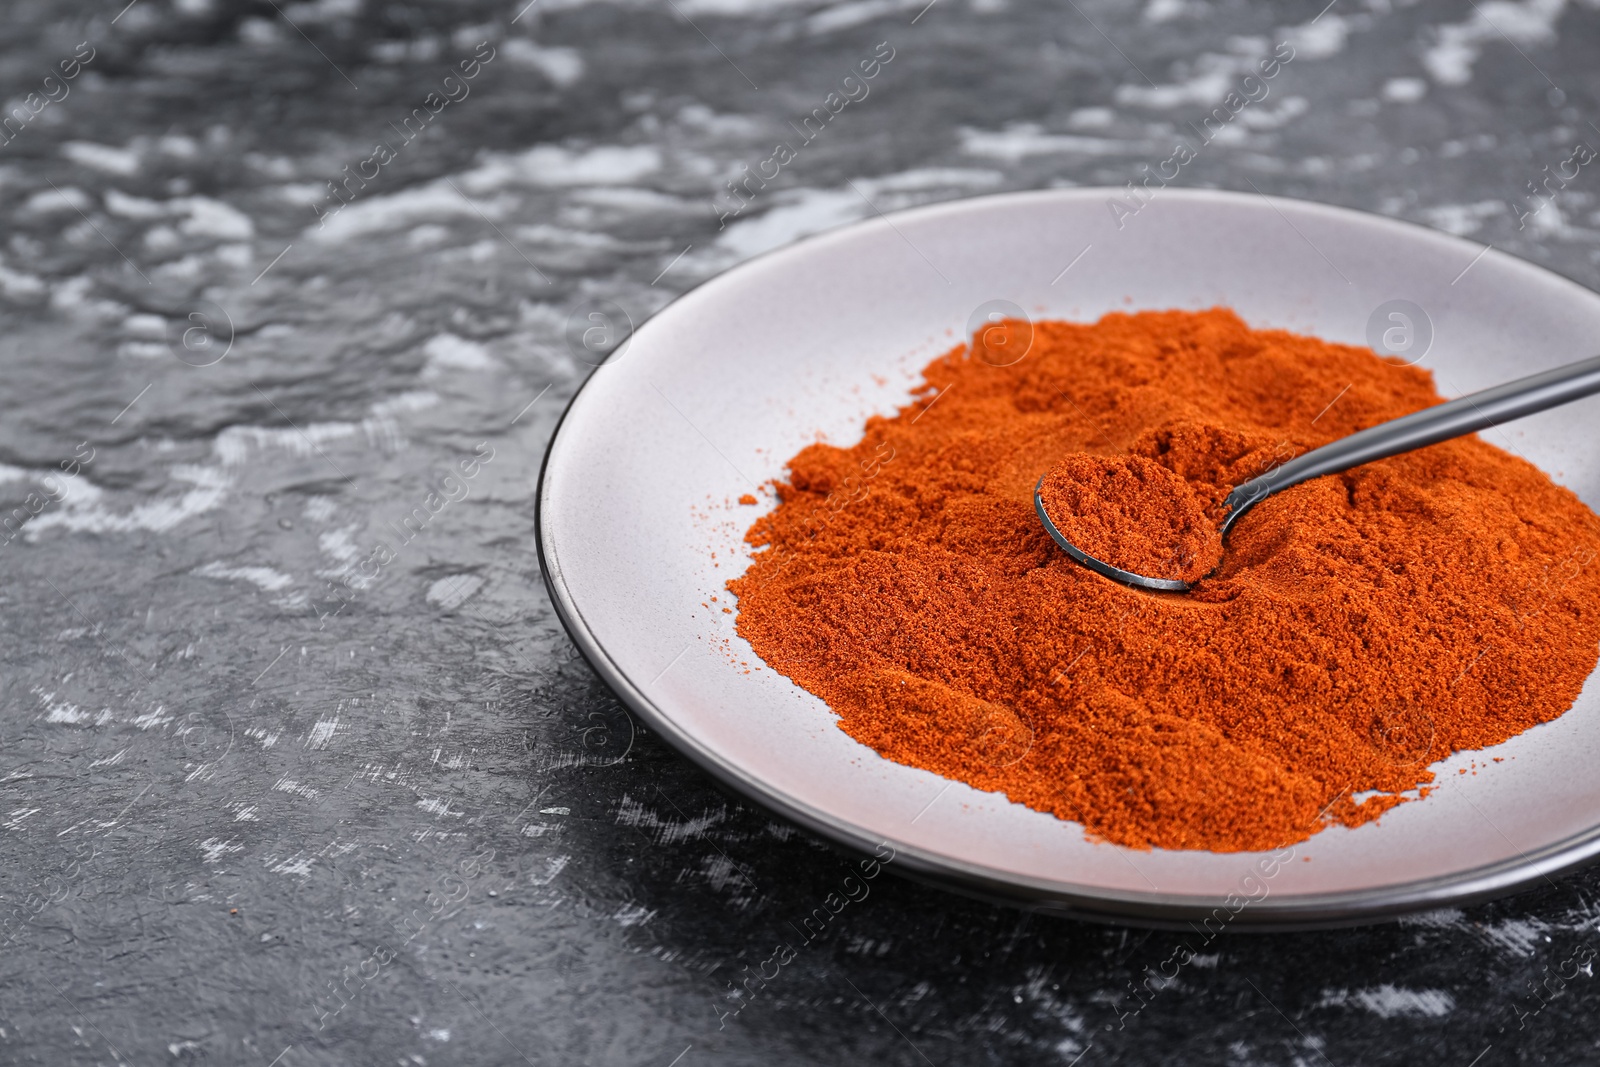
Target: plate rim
{"x":1282,"y":912}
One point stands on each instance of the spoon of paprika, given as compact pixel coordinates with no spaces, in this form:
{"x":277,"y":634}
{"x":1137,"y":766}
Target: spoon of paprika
{"x":1136,"y":522}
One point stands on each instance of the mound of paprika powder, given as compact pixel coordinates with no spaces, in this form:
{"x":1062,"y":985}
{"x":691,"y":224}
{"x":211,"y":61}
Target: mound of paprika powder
{"x":1361,"y":626}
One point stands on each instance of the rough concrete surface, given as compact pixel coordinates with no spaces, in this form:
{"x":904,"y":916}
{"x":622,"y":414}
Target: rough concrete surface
{"x":263,"y":804}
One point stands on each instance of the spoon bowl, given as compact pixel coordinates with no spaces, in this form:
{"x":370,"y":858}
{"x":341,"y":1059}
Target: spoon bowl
{"x":1100,"y":566}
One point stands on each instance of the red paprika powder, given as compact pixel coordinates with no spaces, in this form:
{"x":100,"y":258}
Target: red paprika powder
{"x":1133,"y":513}
{"x":1361,"y":626}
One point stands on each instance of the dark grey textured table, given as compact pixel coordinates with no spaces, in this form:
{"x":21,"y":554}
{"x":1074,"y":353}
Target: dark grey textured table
{"x":270,"y":798}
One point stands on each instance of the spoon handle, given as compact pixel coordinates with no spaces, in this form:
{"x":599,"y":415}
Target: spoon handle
{"x":1455,"y":418}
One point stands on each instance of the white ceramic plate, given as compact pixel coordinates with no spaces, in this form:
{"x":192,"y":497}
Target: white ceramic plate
{"x":639,"y":526}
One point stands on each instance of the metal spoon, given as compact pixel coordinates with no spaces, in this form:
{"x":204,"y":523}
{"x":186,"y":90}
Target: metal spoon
{"x":1456,"y":418}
